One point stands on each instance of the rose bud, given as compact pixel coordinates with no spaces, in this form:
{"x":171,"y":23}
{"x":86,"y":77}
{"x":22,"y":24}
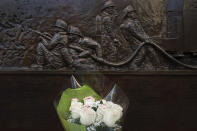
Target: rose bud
{"x":89,"y":101}
{"x":100,"y":112}
{"x":111,"y":116}
{"x":112,"y":113}
{"x":110,"y":104}
{"x":75,"y":108}
{"x":87,"y":115}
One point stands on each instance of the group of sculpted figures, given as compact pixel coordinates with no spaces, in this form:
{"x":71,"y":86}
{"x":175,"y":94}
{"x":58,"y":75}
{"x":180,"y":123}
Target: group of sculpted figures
{"x":62,"y":49}
{"x":70,"y":48}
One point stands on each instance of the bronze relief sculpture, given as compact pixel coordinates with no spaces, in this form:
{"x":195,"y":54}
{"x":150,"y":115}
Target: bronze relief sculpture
{"x":118,"y":41}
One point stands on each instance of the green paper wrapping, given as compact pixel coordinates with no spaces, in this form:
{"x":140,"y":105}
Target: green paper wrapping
{"x":65,"y":102}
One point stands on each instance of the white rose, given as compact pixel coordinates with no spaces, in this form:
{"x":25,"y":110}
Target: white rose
{"x":110,"y":104}
{"x":89,"y":101}
{"x":111,"y":116}
{"x":87,"y":115}
{"x":104,"y":101}
{"x":74,"y":100}
{"x":100,"y":112}
{"x":96,"y":104}
{"x":109,"y":113}
{"x":75,"y":108}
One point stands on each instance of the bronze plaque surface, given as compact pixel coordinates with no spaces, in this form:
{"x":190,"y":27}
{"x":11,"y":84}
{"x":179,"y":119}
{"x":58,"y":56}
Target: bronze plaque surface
{"x":95,"y":34}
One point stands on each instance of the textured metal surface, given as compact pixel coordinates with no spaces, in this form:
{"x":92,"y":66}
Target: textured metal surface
{"x":22,"y":48}
{"x":28,"y":39}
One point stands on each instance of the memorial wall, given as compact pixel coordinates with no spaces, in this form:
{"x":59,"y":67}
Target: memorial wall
{"x":97,"y":35}
{"x":142,"y":53}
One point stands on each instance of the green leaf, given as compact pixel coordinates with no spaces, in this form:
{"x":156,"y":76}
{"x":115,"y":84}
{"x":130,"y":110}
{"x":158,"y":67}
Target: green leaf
{"x":65,"y":102}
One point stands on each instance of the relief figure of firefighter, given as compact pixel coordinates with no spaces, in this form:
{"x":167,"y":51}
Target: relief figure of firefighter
{"x":135,"y":34}
{"x":53,"y":52}
{"x":106,"y":28}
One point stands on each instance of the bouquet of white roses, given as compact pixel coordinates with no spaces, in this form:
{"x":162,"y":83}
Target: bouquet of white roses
{"x":82,"y":109}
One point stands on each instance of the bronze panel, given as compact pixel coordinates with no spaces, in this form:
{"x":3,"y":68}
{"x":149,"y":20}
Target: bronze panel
{"x":22,"y":48}
{"x":95,"y":34}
